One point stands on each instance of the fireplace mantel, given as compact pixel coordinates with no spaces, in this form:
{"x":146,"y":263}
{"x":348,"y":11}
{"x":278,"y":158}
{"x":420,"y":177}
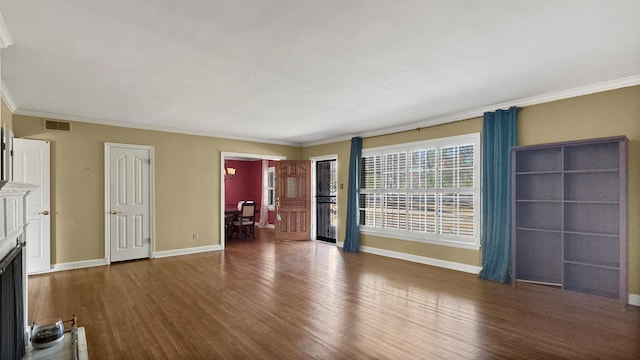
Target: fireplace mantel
{"x":15,"y":187}
{"x":13,"y":213}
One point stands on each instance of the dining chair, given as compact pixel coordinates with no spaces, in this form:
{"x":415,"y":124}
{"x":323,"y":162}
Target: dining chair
{"x":228,"y":223}
{"x":246,"y":219}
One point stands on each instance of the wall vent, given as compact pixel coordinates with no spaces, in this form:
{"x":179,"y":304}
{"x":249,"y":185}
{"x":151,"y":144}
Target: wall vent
{"x":57,"y":125}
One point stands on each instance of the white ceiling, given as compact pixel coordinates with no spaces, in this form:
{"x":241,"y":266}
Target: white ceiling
{"x":303,"y":72}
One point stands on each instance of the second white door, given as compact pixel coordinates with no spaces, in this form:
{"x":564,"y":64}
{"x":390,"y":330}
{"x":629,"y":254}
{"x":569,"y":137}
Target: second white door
{"x":129,"y":201}
{"x":32,"y":165}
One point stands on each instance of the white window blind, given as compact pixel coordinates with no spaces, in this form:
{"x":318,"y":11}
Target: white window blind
{"x":271,"y":188}
{"x":426,"y":191}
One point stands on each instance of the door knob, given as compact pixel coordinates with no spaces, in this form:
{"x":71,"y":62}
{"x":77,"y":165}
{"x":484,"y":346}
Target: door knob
{"x":113,"y":212}
{"x":44,"y":212}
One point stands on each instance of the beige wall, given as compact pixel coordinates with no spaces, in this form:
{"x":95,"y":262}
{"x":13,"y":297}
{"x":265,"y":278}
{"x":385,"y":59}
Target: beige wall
{"x":187,"y":184}
{"x":6,"y":116}
{"x":603,"y":114}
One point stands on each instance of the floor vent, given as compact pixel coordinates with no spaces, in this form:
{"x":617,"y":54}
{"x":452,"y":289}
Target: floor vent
{"x":57,"y":125}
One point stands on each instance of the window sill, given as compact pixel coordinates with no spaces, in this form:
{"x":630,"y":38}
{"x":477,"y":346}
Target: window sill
{"x":417,"y":237}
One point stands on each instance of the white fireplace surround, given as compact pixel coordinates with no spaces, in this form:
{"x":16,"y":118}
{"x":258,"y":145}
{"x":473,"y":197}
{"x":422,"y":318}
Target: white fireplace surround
{"x":12,"y":229}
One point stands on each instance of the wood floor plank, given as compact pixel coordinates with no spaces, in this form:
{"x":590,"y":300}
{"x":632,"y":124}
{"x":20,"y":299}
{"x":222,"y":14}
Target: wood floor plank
{"x":265,"y":299}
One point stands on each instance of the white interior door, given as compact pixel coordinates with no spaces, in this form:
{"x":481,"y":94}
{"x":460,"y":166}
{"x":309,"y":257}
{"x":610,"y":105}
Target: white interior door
{"x":32,"y":166}
{"x":128,"y":177}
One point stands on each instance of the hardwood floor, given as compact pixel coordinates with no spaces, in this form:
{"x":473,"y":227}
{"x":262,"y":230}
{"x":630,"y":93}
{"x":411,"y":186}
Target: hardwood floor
{"x":298,"y":300}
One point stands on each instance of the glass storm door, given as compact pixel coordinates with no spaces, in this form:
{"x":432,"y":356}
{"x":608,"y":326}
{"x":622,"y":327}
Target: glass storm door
{"x":326,"y":200}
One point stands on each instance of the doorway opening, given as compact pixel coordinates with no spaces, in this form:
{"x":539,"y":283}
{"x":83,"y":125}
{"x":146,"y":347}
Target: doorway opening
{"x":326,"y":199}
{"x":239,"y":173}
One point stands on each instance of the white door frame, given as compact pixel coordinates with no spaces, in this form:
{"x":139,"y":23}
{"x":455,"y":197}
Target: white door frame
{"x":314,"y":213}
{"x":107,"y":197}
{"x":226,"y":155}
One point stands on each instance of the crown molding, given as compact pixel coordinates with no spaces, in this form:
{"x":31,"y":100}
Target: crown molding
{"x":131,"y":125}
{"x":468,"y":114}
{"x":575,"y":92}
{"x":5,"y":38}
{"x":8,"y":99}
{"x":478,"y":112}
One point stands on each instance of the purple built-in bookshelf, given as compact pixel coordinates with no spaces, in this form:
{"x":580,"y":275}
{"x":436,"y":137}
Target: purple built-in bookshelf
{"x":569,"y":224}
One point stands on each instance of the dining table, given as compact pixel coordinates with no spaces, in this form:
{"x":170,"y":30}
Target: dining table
{"x":232,"y":213}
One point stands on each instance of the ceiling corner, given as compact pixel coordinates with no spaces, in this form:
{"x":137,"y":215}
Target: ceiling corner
{"x":5,"y":38}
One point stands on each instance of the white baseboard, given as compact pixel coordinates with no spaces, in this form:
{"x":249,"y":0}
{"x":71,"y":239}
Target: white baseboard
{"x":423,"y":260}
{"x":187,"y":251}
{"x":74,"y":265}
{"x":634,"y":299}
{"x":101,"y":262}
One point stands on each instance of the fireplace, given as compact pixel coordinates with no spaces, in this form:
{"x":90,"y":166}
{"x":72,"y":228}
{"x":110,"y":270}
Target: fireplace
{"x":13,"y":279}
{"x":12,"y":324}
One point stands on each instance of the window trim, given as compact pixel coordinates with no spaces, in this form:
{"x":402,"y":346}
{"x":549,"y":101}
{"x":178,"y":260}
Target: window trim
{"x":271,"y":170}
{"x":429,"y":238}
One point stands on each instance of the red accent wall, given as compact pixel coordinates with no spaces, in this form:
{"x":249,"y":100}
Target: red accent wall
{"x":239,"y":187}
{"x":256,"y":184}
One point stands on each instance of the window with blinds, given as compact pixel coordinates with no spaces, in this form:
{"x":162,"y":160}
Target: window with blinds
{"x":427,"y":191}
{"x":271,"y":188}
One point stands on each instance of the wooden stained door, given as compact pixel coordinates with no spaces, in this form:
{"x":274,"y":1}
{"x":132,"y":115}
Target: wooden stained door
{"x":293,"y":200}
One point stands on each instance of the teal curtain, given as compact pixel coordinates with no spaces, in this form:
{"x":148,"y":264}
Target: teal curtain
{"x":499,"y":134}
{"x":352,"y":238}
